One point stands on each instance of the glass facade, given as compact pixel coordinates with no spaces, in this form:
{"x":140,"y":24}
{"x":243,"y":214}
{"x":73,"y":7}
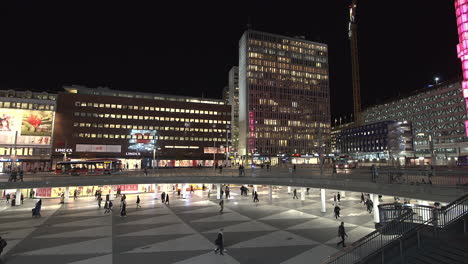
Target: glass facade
{"x":284,"y":104}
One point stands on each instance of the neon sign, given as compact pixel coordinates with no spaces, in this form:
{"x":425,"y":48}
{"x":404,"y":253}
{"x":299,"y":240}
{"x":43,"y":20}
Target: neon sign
{"x":461,"y":11}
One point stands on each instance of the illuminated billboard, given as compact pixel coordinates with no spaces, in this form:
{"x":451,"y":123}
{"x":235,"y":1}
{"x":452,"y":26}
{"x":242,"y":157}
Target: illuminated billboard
{"x":142,"y":140}
{"x":31,"y":127}
{"x":461,"y":11}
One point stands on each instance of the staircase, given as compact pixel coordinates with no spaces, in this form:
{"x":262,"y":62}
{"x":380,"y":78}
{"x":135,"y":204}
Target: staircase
{"x":422,"y":235}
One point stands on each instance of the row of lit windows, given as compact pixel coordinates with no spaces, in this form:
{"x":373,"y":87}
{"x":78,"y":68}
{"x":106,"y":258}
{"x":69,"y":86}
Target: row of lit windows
{"x":30,"y":106}
{"x":157,"y":118}
{"x":300,"y":47}
{"x":286,"y":72}
{"x":288,"y":66}
{"x":150,"y":108}
{"x":160,"y":128}
{"x":27,"y":95}
{"x":147,"y":137}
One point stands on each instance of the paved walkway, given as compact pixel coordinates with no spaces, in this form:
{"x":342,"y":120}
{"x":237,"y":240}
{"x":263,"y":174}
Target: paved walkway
{"x":285,"y":231}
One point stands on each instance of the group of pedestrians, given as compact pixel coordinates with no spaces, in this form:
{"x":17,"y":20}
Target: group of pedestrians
{"x":14,"y":175}
{"x":165,"y":198}
{"x":244,"y":190}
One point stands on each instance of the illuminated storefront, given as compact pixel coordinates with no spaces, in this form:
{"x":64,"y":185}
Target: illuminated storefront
{"x":461,"y":10}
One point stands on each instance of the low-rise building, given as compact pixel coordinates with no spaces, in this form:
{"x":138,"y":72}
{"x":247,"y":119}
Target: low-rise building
{"x":140,"y":127}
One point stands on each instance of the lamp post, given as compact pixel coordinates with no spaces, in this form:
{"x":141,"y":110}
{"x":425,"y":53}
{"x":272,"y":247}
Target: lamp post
{"x":436,"y":80}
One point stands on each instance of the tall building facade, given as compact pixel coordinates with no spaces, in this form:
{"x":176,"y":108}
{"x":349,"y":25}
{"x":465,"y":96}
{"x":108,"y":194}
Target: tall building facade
{"x":26,"y":126}
{"x":438,"y":117}
{"x":234,"y":102}
{"x":136,"y":127}
{"x":284,"y":99}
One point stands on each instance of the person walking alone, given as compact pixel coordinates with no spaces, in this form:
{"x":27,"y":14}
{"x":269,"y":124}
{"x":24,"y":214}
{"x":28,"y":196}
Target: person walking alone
{"x":295,"y":194}
{"x":219,"y":242}
{"x":109,"y":207}
{"x":362,"y":199}
{"x":221,"y":205}
{"x":339,"y":197}
{"x":337,"y":211}
{"x":255,"y":199}
{"x":123,"y":208}
{"x":167,"y":199}
{"x":163,"y":197}
{"x":138,"y":201}
{"x":74,"y":194}
{"x":99,"y":201}
{"x":342,"y":234}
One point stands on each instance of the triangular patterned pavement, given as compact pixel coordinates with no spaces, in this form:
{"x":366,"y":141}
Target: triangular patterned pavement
{"x":316,"y":255}
{"x":97,"y":221}
{"x":179,"y":229}
{"x":163,"y":219}
{"x":88,"y":232}
{"x":276,"y":239}
{"x":290,"y":214}
{"x":224,"y":217}
{"x":191,"y":242}
{"x":210,"y":257}
{"x":259,"y":255}
{"x":246,"y":227}
{"x":95,"y":246}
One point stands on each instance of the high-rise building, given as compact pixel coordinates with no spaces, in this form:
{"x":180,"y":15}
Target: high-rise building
{"x":234,"y":102}
{"x":284,"y":99}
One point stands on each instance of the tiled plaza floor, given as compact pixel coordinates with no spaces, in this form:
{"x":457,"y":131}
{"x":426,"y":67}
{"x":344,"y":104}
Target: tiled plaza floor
{"x":283,"y":231}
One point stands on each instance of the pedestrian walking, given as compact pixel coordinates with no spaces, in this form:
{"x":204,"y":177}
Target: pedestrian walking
{"x":342,"y":234}
{"x":167,"y":199}
{"x":228,"y":192}
{"x":138,"y":201}
{"x":74,"y":194}
{"x":362,"y":199}
{"x":255,"y":199}
{"x":191,"y":189}
{"x":145,"y":171}
{"x":31,"y":194}
{"x":339,"y":197}
{"x":123,"y":208}
{"x":307,"y":190}
{"x":221,"y":206}
{"x":163,"y":197}
{"x":109,"y":207}
{"x":8,"y":198}
{"x":294,"y":168}
{"x":21,"y":175}
{"x":99,"y":201}
{"x":178,"y":191}
{"x":22,"y":198}
{"x":334,"y":198}
{"x":209,"y":192}
{"x":107,"y":197}
{"x":337,"y":211}
{"x":295,"y":194}
{"x":62,"y":198}
{"x":219,"y":242}
{"x":222,"y":192}
{"x":370,"y":205}
{"x":106,"y":206}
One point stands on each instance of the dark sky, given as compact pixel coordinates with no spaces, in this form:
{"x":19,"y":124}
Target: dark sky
{"x":188,"y":48}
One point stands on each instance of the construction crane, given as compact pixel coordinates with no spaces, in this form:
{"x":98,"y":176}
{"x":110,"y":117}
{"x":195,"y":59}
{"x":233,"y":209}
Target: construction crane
{"x":352,"y":33}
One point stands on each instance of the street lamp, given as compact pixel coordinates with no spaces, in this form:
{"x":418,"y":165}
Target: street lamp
{"x":436,"y":80}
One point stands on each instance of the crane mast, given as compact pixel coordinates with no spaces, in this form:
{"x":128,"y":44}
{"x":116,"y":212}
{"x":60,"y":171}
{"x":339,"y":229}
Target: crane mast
{"x":352,"y":33}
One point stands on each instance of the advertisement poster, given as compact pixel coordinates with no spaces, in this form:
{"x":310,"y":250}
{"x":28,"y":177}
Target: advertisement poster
{"x":28,"y":126}
{"x":142,"y":140}
{"x":37,"y":123}
{"x":43,"y":192}
{"x":127,"y":188}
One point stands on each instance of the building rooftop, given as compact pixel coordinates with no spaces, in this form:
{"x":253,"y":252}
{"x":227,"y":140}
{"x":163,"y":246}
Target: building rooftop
{"x":105,"y":91}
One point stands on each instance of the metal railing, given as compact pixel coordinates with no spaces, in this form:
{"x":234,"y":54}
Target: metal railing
{"x":409,"y":222}
{"x":384,"y":175}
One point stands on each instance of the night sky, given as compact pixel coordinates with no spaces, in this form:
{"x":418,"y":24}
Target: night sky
{"x":188,"y":48}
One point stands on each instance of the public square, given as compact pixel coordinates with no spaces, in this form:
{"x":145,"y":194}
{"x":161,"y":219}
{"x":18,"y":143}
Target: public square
{"x":285,"y":230}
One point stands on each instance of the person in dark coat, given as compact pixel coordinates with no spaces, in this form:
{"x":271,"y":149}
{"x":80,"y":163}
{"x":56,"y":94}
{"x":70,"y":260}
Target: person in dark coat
{"x":167,"y":199}
{"x":338,"y":196}
{"x":255,"y":199}
{"x":362,"y":199}
{"x":37,"y":209}
{"x":337,"y":211}
{"x":123,"y":208}
{"x":74,"y":194}
{"x":342,"y":234}
{"x":219,"y":242}
{"x":221,"y":205}
{"x":163,"y":197}
{"x":295,"y":194}
{"x":138,"y":201}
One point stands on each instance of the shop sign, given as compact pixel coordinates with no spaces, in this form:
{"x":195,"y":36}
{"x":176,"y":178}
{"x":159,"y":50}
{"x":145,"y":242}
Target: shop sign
{"x":132,"y":153}
{"x":43,"y":192}
{"x":67,"y":150}
{"x":128,"y":187}
{"x":8,"y":160}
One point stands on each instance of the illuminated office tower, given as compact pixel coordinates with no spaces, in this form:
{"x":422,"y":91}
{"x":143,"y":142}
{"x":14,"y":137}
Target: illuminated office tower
{"x":284,"y":99}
